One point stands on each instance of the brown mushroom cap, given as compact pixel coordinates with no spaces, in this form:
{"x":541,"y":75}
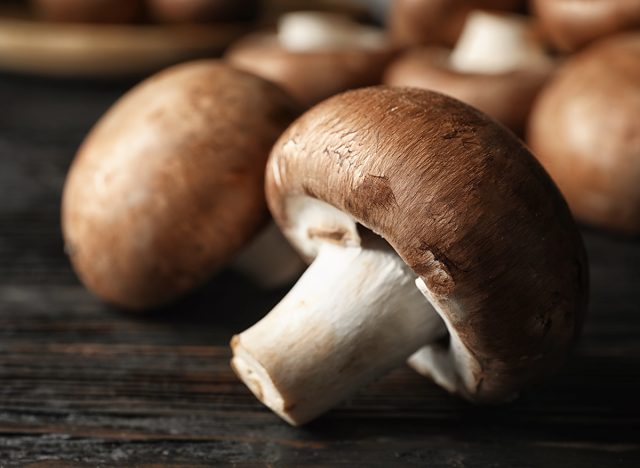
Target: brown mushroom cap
{"x":89,"y":11}
{"x":169,"y":183}
{"x":571,"y":24}
{"x":585,"y":130}
{"x":507,"y":97}
{"x":463,"y":203}
{"x":198,"y":11}
{"x":415,"y":22}
{"x":310,"y":76}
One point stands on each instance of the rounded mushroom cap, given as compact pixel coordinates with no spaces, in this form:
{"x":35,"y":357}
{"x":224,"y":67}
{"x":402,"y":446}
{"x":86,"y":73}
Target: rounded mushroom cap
{"x":310,"y":76}
{"x":463,"y":203}
{"x":570,"y":24}
{"x":414,"y":22}
{"x":585,"y":131}
{"x":94,"y":11}
{"x":507,"y":96}
{"x":169,"y":183}
{"x":198,"y":11}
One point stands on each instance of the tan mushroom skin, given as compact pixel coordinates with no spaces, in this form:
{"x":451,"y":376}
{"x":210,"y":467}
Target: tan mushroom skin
{"x":585,"y":131}
{"x":168,"y":185}
{"x":571,"y":24}
{"x":487,"y":237}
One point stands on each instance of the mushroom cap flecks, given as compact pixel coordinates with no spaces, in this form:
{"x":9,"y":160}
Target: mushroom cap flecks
{"x":463,"y":203}
{"x":571,"y":24}
{"x":507,"y":96}
{"x":585,"y":130}
{"x":310,"y":76}
{"x":169,"y":184}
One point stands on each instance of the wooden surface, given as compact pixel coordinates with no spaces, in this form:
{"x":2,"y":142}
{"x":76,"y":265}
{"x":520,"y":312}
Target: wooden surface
{"x":84,"y":384}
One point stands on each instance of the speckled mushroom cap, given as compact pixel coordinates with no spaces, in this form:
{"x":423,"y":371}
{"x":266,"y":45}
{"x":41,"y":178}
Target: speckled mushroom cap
{"x":571,"y":24}
{"x":310,"y":76}
{"x":168,"y":185}
{"x":507,"y":96}
{"x":414,"y":22}
{"x":90,"y":11}
{"x":585,"y":130}
{"x":463,"y":203}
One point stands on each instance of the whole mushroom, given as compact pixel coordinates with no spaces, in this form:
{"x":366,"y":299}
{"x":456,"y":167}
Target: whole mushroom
{"x":168,"y":186}
{"x":416,"y":22}
{"x":200,"y":11}
{"x":585,"y":131}
{"x":315,"y":55}
{"x":88,"y":11}
{"x":571,"y":24}
{"x":498,"y":66}
{"x":431,"y":229}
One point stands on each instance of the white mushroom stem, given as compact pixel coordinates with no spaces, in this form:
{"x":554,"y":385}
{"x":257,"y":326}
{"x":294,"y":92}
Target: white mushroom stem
{"x":312,"y":31}
{"x":497,"y":43}
{"x":269,"y":260}
{"x":354,"y":314}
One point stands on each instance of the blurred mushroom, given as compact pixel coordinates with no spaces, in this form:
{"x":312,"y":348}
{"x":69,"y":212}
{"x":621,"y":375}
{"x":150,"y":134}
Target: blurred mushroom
{"x":201,"y":11}
{"x":169,"y":184}
{"x":88,"y":11}
{"x":585,"y":130}
{"x":416,"y":22}
{"x":315,"y":55}
{"x":462,"y":235}
{"x":498,"y":66}
{"x":571,"y":24}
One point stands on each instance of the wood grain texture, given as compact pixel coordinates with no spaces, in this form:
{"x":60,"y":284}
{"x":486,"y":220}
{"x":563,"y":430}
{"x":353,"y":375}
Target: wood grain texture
{"x":83,"y":384}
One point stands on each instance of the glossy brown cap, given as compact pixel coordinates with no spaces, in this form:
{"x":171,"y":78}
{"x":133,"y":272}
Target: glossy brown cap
{"x":466,"y":206}
{"x":168,"y":185}
{"x":507,"y":97}
{"x":310,"y":76}
{"x":571,"y":24}
{"x":585,"y":130}
{"x":416,"y":22}
{"x":88,"y":11}
{"x":202,"y":11}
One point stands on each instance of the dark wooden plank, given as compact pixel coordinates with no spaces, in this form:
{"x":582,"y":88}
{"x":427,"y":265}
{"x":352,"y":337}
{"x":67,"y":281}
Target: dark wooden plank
{"x":84,"y":384}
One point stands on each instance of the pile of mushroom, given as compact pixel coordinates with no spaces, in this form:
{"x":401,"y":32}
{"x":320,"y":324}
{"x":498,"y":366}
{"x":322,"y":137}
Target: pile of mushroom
{"x":571,"y":24}
{"x":498,"y":66}
{"x":433,"y":234}
{"x":585,"y":129}
{"x":168,"y":186}
{"x":315,"y":55}
{"x":416,"y":22}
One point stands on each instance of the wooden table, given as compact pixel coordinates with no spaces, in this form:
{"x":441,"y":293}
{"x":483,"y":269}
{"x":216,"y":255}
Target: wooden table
{"x":84,"y":384}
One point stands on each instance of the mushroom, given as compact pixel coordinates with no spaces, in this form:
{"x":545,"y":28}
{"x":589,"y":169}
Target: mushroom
{"x":315,"y":55}
{"x":571,"y":24}
{"x":431,"y":229}
{"x":584,"y":129}
{"x":198,"y":11}
{"x":416,"y":22}
{"x":168,"y":186}
{"x":497,"y":65}
{"x":84,"y":11}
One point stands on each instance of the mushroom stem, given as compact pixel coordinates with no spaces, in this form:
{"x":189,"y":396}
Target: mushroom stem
{"x":496,"y":43}
{"x":310,"y":31}
{"x":355,"y":314}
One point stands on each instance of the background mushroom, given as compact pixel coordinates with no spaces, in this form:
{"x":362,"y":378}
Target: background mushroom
{"x":571,"y":24}
{"x":315,"y":55}
{"x":415,"y":22}
{"x":90,"y":11}
{"x":498,"y":66}
{"x":585,"y":130}
{"x":168,"y":186}
{"x":198,"y":11}
{"x":428,"y":225}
